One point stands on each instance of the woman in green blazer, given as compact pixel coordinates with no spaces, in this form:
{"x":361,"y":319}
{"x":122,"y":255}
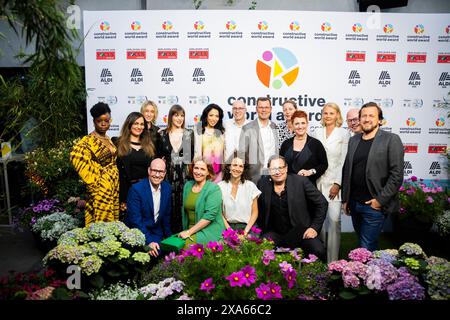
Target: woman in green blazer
{"x":202,"y":206}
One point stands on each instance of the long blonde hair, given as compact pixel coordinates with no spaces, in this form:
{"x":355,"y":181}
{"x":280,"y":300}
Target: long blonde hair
{"x":123,"y":143}
{"x":150,"y":103}
{"x":336,"y":108}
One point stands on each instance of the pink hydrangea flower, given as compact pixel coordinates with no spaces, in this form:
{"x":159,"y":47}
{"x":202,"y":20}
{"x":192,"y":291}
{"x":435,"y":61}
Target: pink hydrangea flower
{"x":360,"y":254}
{"x":337,"y":266}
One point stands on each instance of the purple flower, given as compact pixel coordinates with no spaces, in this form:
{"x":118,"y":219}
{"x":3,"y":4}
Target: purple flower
{"x":256,"y":230}
{"x":268,"y":255}
{"x":285,"y":267}
{"x":295,"y":254}
{"x":311,"y":258}
{"x":197,"y":250}
{"x":168,"y":258}
{"x":231,"y":238}
{"x":402,"y":210}
{"x":406,"y":287}
{"x":36,"y":209}
{"x":275,"y":290}
{"x":430,"y":199}
{"x":263,"y":292}
{"x":337,"y":266}
{"x":402,"y":188}
{"x":214,"y":246}
{"x":46,"y":207}
{"x":237,"y":279}
{"x":414,"y":178}
{"x":249,"y":275}
{"x":291,"y":277}
{"x":360,"y":254}
{"x":33,"y":220}
{"x":254,"y":239}
{"x":207,"y":285}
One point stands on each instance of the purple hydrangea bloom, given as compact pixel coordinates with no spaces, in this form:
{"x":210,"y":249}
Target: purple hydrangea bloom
{"x":406,"y":287}
{"x":337,"y":266}
{"x":360,"y":254}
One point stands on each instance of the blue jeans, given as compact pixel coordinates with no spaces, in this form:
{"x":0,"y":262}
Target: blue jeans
{"x":368,"y":224}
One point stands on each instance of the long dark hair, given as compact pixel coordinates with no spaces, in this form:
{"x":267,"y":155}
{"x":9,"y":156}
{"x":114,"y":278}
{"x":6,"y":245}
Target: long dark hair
{"x":226,"y":173}
{"x":175,"y":109}
{"x":123,"y":143}
{"x":204,"y":119}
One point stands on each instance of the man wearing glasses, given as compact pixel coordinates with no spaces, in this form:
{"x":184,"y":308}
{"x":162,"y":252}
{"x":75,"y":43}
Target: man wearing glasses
{"x":291,"y":209}
{"x":353,"y":121}
{"x":149,"y":206}
{"x":259,"y":140}
{"x":233,"y":128}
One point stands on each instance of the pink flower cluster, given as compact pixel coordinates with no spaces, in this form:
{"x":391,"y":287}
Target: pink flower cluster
{"x":246,"y":276}
{"x":289,"y":273}
{"x":268,"y":255}
{"x":360,"y":254}
{"x":231,"y":238}
{"x":269,"y":291}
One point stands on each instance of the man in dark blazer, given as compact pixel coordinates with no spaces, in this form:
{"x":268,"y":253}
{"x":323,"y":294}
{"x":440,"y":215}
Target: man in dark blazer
{"x":372,"y":176}
{"x":291,"y":209}
{"x":149,"y":205}
{"x":259,"y":140}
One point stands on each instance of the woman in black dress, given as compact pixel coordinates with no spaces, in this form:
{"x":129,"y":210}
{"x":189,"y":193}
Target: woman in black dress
{"x":135,"y":151}
{"x":304,"y":154}
{"x":177,"y":148}
{"x":150,"y":112}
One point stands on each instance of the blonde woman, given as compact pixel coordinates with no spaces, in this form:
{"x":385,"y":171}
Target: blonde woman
{"x":335,"y":140}
{"x":150,"y":112}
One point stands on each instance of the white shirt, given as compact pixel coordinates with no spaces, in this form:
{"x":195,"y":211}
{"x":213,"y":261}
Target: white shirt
{"x":238,"y":210}
{"x":156,"y":195}
{"x":232,"y":134}
{"x":268,"y":140}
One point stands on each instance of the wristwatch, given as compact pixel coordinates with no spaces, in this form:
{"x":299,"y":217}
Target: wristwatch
{"x":313,"y":171}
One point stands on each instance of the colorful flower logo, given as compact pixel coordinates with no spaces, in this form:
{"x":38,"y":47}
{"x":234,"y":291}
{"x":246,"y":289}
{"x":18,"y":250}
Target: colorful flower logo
{"x":388,"y":28}
{"x":447,"y":29}
{"x":277,"y":67}
{"x":411,"y":122}
{"x":167,"y":25}
{"x":199,"y":25}
{"x":104,"y":26}
{"x":419,"y":29}
{"x":231,"y":25}
{"x":135,"y":26}
{"x":326,"y":27}
{"x":263,"y":25}
{"x":196,"y":118}
{"x":165,"y":118}
{"x":440,"y":122}
{"x":294,"y":26}
{"x":357,"y":28}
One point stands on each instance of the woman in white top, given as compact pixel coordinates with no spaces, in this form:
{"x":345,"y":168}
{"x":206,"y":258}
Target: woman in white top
{"x":335,"y":140}
{"x":240,"y":197}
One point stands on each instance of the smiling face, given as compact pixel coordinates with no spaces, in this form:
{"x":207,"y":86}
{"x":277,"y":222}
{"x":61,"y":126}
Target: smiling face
{"x":157,"y":172}
{"x":238,"y":110}
{"x":288,"y":110}
{"x":178,"y":120}
{"x":264,"y":110}
{"x":278,"y":170}
{"x":329,"y":116}
{"x":300,"y":125}
{"x":137,"y":127}
{"x":102,"y":123}
{"x":369,"y":119}
{"x":200,"y":171}
{"x":353,"y":120}
{"x":212,"y":118}
{"x":237,"y":168}
{"x":149,"y":113}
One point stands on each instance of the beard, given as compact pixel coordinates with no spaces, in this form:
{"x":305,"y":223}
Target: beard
{"x":369,"y":129}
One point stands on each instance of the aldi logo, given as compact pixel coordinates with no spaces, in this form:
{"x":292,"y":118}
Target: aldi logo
{"x":354,"y":78}
{"x":167,"y":54}
{"x":416,"y":58}
{"x":435,"y":168}
{"x":136,"y":54}
{"x":136,"y":76}
{"x":443,"y":58}
{"x":105,"y":55}
{"x":414,"y":79}
{"x":407,"y":168}
{"x":444,"y":80}
{"x":167,"y":76}
{"x":198,"y":76}
{"x":355,"y":56}
{"x":410,"y":148}
{"x":106,"y":76}
{"x":199,"y":54}
{"x":384,"y":79}
{"x":386,"y":57}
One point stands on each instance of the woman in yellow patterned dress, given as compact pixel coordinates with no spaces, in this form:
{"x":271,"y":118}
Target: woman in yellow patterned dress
{"x":94,"y":158}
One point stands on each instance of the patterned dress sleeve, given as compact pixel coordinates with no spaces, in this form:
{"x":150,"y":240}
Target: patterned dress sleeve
{"x":83,"y":160}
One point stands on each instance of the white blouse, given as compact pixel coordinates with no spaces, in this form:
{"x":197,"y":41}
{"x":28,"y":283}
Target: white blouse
{"x":238,"y":210}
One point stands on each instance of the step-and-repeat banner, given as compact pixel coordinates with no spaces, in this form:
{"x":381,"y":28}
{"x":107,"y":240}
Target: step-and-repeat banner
{"x":193,"y":58}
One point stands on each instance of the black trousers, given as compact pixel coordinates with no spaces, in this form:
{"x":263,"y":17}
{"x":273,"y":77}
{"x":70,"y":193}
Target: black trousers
{"x":294,"y":239}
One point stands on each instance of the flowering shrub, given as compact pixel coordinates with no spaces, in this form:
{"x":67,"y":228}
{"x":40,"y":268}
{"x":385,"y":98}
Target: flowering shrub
{"x":443,"y":223}
{"x":249,"y":268}
{"x":422,"y":202}
{"x":27,"y":217}
{"x":52,"y":226}
{"x":438,"y":278}
{"x":104,"y":250}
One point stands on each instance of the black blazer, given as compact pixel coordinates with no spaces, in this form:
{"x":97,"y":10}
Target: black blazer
{"x":155,"y":136}
{"x":313,"y":156}
{"x":307,"y":206}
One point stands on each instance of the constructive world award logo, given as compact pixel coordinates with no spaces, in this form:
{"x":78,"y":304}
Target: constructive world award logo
{"x":388,"y":28}
{"x":135,"y":26}
{"x":419,"y":29}
{"x":167,"y":25}
{"x":263,"y":25}
{"x":104,"y":26}
{"x":231,"y":25}
{"x":411,"y":122}
{"x":326,"y":27}
{"x":199,"y":25}
{"x":294,"y":26}
{"x":357,"y":28}
{"x":440,"y":122}
{"x":277,"y":67}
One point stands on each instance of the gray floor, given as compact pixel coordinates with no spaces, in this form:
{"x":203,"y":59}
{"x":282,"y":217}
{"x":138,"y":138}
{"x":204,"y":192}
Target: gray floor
{"x":18,"y":252}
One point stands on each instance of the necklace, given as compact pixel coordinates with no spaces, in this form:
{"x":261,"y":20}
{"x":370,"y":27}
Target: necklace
{"x":135,"y":143}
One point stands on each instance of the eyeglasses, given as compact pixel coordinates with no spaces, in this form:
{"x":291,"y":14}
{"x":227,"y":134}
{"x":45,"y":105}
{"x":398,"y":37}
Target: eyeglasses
{"x":274,"y":170}
{"x":354,"y":120}
{"x":162,"y":172}
{"x":238,"y":109}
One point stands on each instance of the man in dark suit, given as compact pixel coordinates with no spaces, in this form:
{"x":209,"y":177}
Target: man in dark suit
{"x":372,"y":176}
{"x":149,"y":205}
{"x":259,"y":140}
{"x":291,"y":209}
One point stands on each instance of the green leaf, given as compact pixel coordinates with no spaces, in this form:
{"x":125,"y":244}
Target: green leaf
{"x":347,"y":295}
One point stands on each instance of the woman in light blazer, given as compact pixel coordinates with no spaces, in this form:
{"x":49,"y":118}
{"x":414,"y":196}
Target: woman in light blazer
{"x":335,"y":140}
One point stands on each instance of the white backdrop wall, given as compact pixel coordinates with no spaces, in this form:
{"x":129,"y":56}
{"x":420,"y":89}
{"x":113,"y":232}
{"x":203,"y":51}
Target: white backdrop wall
{"x":193,"y":58}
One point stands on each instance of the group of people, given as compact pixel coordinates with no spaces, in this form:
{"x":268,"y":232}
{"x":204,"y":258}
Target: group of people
{"x":196,"y":183}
